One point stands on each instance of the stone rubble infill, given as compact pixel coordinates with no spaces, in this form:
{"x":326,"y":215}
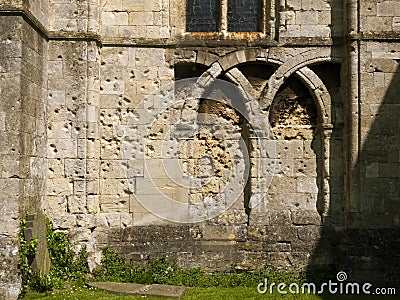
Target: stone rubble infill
{"x":154,"y":290}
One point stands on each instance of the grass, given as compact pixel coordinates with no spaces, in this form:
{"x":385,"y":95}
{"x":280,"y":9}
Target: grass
{"x":238,"y":293}
{"x":211,"y":293}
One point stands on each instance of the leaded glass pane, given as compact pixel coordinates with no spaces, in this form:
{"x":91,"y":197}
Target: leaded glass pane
{"x":244,"y":15}
{"x":202,"y":15}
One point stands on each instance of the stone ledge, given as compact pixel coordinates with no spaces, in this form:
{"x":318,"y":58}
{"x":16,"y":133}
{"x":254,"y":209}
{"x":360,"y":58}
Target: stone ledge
{"x":153,"y":290}
{"x":375,"y":35}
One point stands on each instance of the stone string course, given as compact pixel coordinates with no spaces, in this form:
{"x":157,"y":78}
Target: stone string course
{"x":76,"y":89}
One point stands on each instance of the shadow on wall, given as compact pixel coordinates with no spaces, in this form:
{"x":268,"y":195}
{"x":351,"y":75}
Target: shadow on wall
{"x":367,"y":246}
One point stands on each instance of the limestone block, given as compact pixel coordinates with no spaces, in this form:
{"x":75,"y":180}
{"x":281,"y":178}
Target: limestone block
{"x":163,"y":168}
{"x":289,"y":149}
{"x":112,"y":186}
{"x":81,"y":145}
{"x":165,"y":73}
{"x":156,"y":5}
{"x":92,"y":169}
{"x":74,"y":167}
{"x":113,"y":58}
{"x":142,"y":73}
{"x":216,"y":233}
{"x":59,"y":187}
{"x":306,"y":217}
{"x":315,"y":30}
{"x":309,"y":233}
{"x":325,"y":17}
{"x":141,"y":18}
{"x":110,"y":203}
{"x":112,"y":169}
{"x":293,"y":4}
{"x":101,"y":221}
{"x":379,"y":79}
{"x":100,"y":235}
{"x":315,"y":4}
{"x":56,"y":97}
{"x":93,"y":204}
{"x":135,"y":206}
{"x":152,"y":31}
{"x":110,"y":85}
{"x":388,"y":8}
{"x":85,"y":220}
{"x":305,"y":167}
{"x":368,"y":8}
{"x":307,"y":185}
{"x":140,"y":219}
{"x":282,"y":185}
{"x":92,"y":148}
{"x":396,"y":24}
{"x":283,"y":168}
{"x":281,"y":233}
{"x":279,"y":217}
{"x":111,"y":31}
{"x":12,"y":49}
{"x":114,"y":18}
{"x":134,"y":5}
{"x":56,"y":205}
{"x":372,"y":23}
{"x":60,"y":130}
{"x":290,"y":31}
{"x":113,"y":219}
{"x":64,"y":221}
{"x":112,"y":5}
{"x":133,"y":31}
{"x":372,"y":170}
{"x":10,"y":167}
{"x":126,"y":220}
{"x":287,"y":18}
{"x":61,"y":148}
{"x":160,"y":185}
{"x":310,"y":148}
{"x":306,"y":17}
{"x":150,"y":57}
{"x":111,"y":150}
{"x":79,"y":187}
{"x":76,"y":204}
{"x":156,"y":149}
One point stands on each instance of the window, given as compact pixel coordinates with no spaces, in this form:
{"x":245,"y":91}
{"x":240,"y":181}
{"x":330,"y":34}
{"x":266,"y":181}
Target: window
{"x":202,"y":15}
{"x":223,"y":15}
{"x":244,"y":15}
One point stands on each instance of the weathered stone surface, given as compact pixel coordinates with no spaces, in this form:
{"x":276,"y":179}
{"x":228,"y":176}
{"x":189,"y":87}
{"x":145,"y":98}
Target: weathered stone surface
{"x":154,"y":290}
{"x":90,"y":133}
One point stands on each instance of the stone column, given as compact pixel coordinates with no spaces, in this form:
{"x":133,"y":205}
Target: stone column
{"x":326,"y":135}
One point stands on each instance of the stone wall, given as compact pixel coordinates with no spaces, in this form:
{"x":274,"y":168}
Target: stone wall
{"x":89,"y":142}
{"x":310,"y":18}
{"x":23,"y":103}
{"x":73,"y":145}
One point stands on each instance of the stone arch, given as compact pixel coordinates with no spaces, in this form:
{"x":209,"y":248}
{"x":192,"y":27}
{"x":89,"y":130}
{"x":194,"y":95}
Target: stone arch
{"x":242,"y":56}
{"x":295,"y":65}
{"x":298,"y":65}
{"x":205,"y":58}
{"x":252,"y":113}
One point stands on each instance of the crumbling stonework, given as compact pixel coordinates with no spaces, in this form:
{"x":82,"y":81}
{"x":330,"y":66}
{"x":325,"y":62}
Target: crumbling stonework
{"x":98,"y":137}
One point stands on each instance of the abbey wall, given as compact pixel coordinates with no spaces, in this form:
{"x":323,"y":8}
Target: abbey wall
{"x":283,"y":152}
